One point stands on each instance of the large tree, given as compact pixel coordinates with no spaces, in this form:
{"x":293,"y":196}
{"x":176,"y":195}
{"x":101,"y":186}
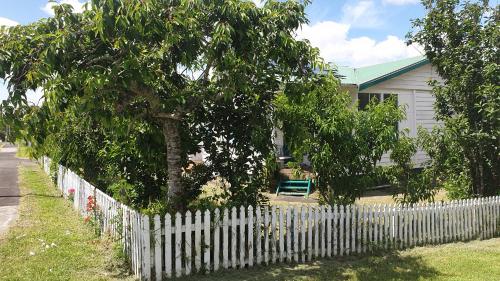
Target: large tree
{"x":461,"y":40}
{"x":203,"y":71}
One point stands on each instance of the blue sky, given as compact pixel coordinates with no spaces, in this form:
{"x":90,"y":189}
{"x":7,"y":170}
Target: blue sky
{"x":354,"y":32}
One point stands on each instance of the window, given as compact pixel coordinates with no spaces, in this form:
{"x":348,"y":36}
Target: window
{"x":365,"y":98}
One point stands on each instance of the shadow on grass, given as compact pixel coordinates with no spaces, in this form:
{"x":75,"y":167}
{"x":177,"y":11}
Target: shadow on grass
{"x":30,"y":194}
{"x":389,"y":266}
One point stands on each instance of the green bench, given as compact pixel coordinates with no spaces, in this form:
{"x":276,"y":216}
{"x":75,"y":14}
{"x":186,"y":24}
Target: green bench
{"x":294,"y":187}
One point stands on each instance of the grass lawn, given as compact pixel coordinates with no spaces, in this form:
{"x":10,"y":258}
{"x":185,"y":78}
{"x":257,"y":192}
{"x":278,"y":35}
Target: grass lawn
{"x":477,"y":260}
{"x":50,"y":241}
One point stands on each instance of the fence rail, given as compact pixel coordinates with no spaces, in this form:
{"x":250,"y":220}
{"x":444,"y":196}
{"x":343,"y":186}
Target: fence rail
{"x":207,"y":241}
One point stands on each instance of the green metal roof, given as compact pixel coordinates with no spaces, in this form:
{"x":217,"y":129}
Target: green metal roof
{"x":368,"y":76}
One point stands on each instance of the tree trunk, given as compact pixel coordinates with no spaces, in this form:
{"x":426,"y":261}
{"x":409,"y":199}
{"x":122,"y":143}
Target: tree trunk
{"x":174,"y":165}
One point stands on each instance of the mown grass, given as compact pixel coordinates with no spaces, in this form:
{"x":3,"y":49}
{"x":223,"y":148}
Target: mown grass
{"x":50,"y":241}
{"x":476,"y":260}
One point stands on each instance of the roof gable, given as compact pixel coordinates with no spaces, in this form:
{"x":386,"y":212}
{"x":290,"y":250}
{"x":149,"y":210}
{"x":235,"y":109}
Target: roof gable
{"x":369,"y":76}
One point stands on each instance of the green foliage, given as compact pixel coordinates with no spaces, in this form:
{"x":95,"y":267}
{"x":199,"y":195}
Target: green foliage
{"x":450,"y":169}
{"x":461,"y":40}
{"x":415,"y":186}
{"x":132,"y":88}
{"x":342,"y":143}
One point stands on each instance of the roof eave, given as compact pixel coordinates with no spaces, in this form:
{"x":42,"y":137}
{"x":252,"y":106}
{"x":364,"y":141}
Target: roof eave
{"x":403,"y":70}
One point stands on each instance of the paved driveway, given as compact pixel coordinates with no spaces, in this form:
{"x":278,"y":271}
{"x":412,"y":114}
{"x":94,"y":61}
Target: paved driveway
{"x":9,"y":191}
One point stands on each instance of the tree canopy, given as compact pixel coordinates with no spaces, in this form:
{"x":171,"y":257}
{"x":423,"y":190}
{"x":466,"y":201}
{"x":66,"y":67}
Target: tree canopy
{"x":140,"y":85}
{"x":461,"y":40}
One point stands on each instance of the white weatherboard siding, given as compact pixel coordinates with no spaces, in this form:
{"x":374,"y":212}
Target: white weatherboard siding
{"x":415,"y":94}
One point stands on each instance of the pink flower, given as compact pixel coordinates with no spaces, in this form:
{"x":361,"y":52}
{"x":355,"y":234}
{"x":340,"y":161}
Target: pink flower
{"x":71,"y":190}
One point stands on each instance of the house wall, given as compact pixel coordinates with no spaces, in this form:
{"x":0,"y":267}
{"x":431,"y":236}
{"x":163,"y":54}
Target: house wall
{"x":415,"y":94}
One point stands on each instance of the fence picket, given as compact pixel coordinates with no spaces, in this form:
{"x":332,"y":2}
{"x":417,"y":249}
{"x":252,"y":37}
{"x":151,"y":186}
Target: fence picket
{"x":234,"y":237}
{"x":335,"y":229}
{"x":322,"y":232}
{"x":188,"y":260}
{"x":329,"y":231}
{"x":375,"y":225}
{"x":273,"y":234}
{"x":309,"y":233}
{"x":258,"y":233}
{"x":288,"y":234}
{"x":157,"y":243}
{"x":250,"y":233}
{"x":281,"y":238}
{"x":206,"y":246}
{"x":197,"y":240}
{"x":168,"y":245}
{"x":266,"y":235}
{"x":359,"y":220}
{"x":296,"y":231}
{"x":370,"y":228}
{"x":225,"y":239}
{"x":242,"y":237}
{"x":341,"y":232}
{"x":347,"y":230}
{"x":178,"y":245}
{"x":365,"y":229}
{"x":217,"y":225}
{"x":316,"y":232}
{"x":353,"y":225}
{"x":303,"y":227}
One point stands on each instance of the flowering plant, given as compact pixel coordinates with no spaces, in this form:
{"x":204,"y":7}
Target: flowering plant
{"x":71,"y":194}
{"x":94,"y":215}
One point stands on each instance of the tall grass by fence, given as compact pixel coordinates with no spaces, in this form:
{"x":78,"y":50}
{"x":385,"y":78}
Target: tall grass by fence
{"x":162,"y":247}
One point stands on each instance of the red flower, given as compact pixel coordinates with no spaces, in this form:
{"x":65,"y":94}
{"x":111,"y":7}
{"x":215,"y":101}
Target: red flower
{"x":91,"y":204}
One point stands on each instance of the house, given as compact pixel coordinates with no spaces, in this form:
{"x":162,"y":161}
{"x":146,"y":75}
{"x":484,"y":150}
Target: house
{"x":408,"y":79}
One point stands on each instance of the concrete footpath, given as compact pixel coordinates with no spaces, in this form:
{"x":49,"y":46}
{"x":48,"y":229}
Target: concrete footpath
{"x":9,"y":190}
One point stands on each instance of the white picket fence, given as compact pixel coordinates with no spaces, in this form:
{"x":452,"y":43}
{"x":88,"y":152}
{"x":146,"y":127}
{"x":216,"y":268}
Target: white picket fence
{"x":208,"y":241}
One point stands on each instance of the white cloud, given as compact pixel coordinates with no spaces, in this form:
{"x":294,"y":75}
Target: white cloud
{"x":34,"y":97}
{"x":259,"y":3}
{"x":362,"y":14}
{"x":335,"y":45}
{"x":7,"y":22}
{"x":77,"y":6}
{"x":400,"y":2}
